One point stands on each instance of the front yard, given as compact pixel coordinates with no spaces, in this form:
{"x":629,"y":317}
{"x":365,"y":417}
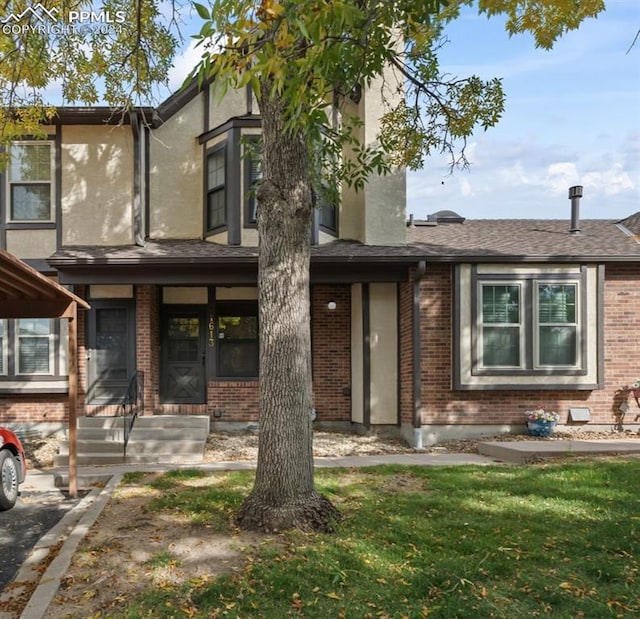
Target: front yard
{"x":560,"y":539}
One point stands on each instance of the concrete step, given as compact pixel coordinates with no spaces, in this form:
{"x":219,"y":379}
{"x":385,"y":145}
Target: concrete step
{"x":174,"y":421}
{"x":154,"y":439}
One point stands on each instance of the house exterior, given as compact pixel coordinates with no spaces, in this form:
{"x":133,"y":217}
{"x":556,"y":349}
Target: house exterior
{"x":431,"y":329}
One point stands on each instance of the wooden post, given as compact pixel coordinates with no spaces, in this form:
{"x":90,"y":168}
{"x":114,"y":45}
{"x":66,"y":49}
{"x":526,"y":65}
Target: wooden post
{"x":73,"y":398}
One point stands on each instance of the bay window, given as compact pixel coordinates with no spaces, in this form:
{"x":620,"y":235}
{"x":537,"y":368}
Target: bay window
{"x":216,"y":196}
{"x":528,"y":327}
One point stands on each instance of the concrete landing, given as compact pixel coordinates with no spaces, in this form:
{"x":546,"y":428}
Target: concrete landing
{"x":520,"y":452}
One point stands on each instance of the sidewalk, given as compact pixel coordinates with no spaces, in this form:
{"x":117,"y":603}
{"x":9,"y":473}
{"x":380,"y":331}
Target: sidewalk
{"x":64,"y":538}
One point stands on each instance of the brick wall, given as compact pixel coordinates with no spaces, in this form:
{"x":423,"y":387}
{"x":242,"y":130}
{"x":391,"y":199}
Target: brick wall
{"x":233,"y":401}
{"x":406,"y":350}
{"x":331,"y":346}
{"x":442,"y":405}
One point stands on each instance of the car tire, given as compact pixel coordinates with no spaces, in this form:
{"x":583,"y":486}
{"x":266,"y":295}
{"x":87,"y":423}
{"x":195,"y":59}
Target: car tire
{"x":8,"y":480}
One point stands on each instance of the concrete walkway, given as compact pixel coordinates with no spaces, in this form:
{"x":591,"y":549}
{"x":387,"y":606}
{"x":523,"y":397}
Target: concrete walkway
{"x":64,"y":538}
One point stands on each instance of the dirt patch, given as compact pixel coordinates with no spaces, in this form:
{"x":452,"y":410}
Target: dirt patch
{"x":131,"y":546}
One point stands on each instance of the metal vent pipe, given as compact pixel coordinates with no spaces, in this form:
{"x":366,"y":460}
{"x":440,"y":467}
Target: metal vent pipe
{"x":575,"y":193}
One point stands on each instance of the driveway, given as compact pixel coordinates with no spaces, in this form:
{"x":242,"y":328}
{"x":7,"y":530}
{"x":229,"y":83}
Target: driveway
{"x":39,"y":508}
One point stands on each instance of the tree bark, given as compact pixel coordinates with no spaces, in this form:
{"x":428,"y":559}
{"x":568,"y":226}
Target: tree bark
{"x":284,"y":494}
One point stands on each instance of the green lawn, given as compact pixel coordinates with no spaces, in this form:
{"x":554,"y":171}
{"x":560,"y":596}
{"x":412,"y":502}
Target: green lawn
{"x":554,"y":540}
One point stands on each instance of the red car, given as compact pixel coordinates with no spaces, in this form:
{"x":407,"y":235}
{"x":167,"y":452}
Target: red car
{"x":13,"y":468}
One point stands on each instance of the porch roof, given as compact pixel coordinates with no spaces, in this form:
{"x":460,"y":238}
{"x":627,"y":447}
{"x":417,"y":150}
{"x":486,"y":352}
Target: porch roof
{"x":25,"y":293}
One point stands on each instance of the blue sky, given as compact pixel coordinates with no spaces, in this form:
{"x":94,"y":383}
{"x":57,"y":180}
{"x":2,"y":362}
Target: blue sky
{"x":572,"y":118}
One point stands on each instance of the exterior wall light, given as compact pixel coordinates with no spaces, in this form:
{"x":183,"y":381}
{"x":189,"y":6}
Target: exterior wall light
{"x":332,"y":305}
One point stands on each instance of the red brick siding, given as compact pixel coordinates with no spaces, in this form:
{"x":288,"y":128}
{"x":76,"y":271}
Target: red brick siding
{"x":331,"y":346}
{"x":238,"y":401}
{"x":442,"y":405}
{"x":406,"y":350}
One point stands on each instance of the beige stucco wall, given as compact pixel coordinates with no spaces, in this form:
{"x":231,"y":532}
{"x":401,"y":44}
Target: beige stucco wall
{"x":234,"y":103}
{"x":357,"y":404}
{"x":111,"y":291}
{"x":176,"y":295}
{"x":383,"y":329}
{"x":175,"y":175}
{"x":236,"y":293}
{"x":31,"y":243}
{"x":97,"y":185}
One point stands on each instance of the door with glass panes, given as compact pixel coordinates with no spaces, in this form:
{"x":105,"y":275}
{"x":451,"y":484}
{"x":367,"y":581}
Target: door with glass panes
{"x":183,"y":356}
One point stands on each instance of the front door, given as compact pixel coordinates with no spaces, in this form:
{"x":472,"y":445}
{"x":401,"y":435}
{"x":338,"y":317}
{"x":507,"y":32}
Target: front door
{"x":111,"y":359}
{"x":183,"y":356}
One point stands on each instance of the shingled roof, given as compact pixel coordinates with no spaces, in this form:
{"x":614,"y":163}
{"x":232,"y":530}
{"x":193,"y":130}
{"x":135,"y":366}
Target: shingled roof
{"x":489,"y":240}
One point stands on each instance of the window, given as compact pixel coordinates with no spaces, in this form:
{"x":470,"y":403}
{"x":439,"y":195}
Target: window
{"x":34,"y":346}
{"x":501,"y":326}
{"x":528,"y":326}
{"x":30,"y":177}
{"x":557,"y":325}
{"x":3,"y":347}
{"x":216,"y":206}
{"x":550,"y":331}
{"x":238,"y":349}
{"x":252,"y":175}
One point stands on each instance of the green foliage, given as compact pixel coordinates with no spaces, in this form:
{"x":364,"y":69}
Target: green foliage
{"x":549,"y":540}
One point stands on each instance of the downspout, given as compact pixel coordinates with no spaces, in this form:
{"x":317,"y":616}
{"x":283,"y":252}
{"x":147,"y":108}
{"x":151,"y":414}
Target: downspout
{"x":138,"y":228}
{"x":417,"y":356}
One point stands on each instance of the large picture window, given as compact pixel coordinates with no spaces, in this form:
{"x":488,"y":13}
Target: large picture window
{"x":30,"y":183}
{"x":237,"y":331}
{"x":216,"y":200}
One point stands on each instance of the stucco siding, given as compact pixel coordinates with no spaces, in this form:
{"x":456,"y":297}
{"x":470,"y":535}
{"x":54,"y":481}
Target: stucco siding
{"x":97,"y":185}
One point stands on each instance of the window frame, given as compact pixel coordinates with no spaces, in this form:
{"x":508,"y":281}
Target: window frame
{"x":9,"y":184}
{"x":578,"y":324}
{"x":250,"y":182}
{"x":521,"y":325}
{"x":4,"y":347}
{"x":216,"y":150}
{"x":50,"y":337}
{"x":235,"y":308}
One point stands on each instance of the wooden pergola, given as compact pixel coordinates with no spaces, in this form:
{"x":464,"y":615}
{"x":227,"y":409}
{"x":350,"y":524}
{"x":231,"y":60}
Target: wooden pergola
{"x":26,"y":293}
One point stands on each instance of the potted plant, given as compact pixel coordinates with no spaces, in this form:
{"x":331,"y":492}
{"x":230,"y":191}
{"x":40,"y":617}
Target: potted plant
{"x":635,"y":389}
{"x":541,"y":422}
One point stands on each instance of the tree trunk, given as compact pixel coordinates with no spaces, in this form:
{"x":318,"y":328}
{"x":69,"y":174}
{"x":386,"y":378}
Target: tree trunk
{"x":284,"y":495}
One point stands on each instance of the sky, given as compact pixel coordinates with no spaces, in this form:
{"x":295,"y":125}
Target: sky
{"x":572,"y":117}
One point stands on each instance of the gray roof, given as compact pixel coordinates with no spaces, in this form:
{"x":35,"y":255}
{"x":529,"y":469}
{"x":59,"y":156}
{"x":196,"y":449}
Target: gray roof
{"x":473,"y":240}
{"x":526,"y":239}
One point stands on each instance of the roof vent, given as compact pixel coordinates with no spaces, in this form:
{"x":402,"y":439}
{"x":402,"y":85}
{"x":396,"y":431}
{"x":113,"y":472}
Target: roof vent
{"x":575,"y":193}
{"x":446,"y":217}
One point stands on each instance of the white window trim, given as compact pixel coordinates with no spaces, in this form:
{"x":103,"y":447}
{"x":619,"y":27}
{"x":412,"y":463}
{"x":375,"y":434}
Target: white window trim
{"x":52,"y":194}
{"x":521,"y":324}
{"x":536,"y":324}
{"x":52,"y":350}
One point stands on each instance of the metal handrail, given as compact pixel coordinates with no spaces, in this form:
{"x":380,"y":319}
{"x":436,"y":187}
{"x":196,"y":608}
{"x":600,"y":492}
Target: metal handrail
{"x":131,"y":404}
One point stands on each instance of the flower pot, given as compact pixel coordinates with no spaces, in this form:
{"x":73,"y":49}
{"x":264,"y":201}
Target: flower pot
{"x":541,"y":428}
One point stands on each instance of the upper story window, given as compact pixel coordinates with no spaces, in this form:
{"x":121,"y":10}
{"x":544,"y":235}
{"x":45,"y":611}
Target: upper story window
{"x":252,"y":176}
{"x":216,"y":200}
{"x":30,"y":182}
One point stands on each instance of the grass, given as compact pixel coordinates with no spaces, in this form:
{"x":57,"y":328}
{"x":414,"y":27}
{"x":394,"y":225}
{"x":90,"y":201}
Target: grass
{"x":553,"y":540}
